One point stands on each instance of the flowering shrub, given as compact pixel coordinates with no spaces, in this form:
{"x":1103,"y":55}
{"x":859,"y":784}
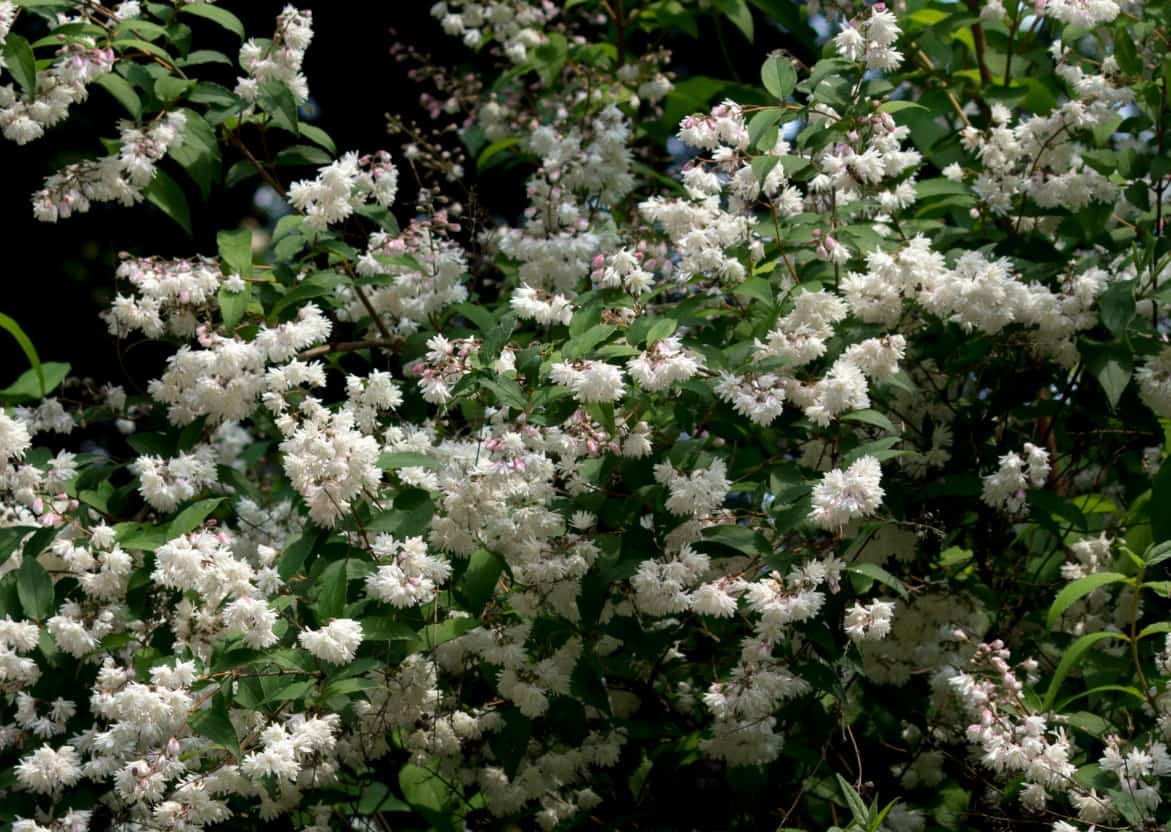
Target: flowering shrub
{"x":807,"y":470}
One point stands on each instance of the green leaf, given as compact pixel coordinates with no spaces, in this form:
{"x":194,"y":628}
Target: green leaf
{"x":778,"y":76}
{"x":34,"y":587}
{"x":1112,"y":367}
{"x":1076,"y":590}
{"x":318,"y":136}
{"x":1071,"y":657}
{"x":123,"y":93}
{"x":198,"y":152}
{"x":216,"y":14}
{"x":493,"y":150}
{"x":762,"y":166}
{"x":762,"y":132}
{"x":277,"y":100}
{"x":28,"y":386}
{"x":479,"y":580}
{"x":1157,"y":553}
{"x":193,"y":516}
{"x":377,"y":798}
{"x":30,"y":352}
{"x":738,"y":12}
{"x":587,"y":683}
{"x":291,"y":691}
{"x":1158,"y":628}
{"x":871,"y":417}
{"x":124,"y":44}
{"x":497,"y":339}
{"x":165,"y":193}
{"x":873,"y":570}
{"x":660,"y":329}
{"x":478,"y":315}
{"x":1161,"y":496}
{"x":233,"y":305}
{"x":303,"y":155}
{"x":549,"y":58}
{"x":380,"y":628}
{"x":435,"y":634}
{"x":427,"y":794}
{"x":204,"y":56}
{"x":169,"y":88}
{"x":410,"y":516}
{"x":581,"y":345}
{"x":881,"y":449}
{"x":143,"y":28}
{"x":757,"y":288}
{"x":214,"y":723}
{"x":39,"y":541}
{"x":21,"y":63}
{"x":1116,"y":307}
{"x":10,"y":538}
{"x":898,"y":106}
{"x":331,"y":593}
{"x":297,"y":552}
{"x":406,"y":459}
{"x":141,"y":536}
{"x":344,"y":687}
{"x":853,"y":800}
{"x":235,"y":249}
{"x":511,"y":742}
{"x":788,"y":14}
{"x":740,"y":539}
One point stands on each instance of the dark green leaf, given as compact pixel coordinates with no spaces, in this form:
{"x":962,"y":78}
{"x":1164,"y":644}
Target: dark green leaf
{"x":233,"y":305}
{"x":169,"y":88}
{"x":873,"y":570}
{"x":235,"y":249}
{"x":21,"y":63}
{"x":30,"y":352}
{"x":1076,"y":590}
{"x":123,"y":93}
{"x":778,"y":76}
{"x":35,"y":589}
{"x":276,"y":100}
{"x":427,"y":794}
{"x":165,"y":193}
{"x":331,"y":593}
{"x":479,"y":580}
{"x":214,"y":723}
{"x":193,"y":516}
{"x":1116,"y":306}
{"x":1161,"y":497}
{"x":217,"y":14}
{"x":10,"y":538}
{"x":406,"y":459}
{"x":28,"y":386}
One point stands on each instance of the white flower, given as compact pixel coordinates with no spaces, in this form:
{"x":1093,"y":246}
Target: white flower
{"x":253,"y":619}
{"x":590,"y":381}
{"x":842,"y":496}
{"x":46,"y":770}
{"x":871,"y":622}
{"x":697,"y":494}
{"x":334,"y":643}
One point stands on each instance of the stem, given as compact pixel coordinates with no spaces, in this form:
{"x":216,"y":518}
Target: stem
{"x":375,"y":318}
{"x":981,"y":43}
{"x":271,"y":180}
{"x":1138,"y":665}
{"x":350,"y":346}
{"x":1012,"y":30}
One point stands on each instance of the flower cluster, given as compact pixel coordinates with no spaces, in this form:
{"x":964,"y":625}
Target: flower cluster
{"x":750,"y":449}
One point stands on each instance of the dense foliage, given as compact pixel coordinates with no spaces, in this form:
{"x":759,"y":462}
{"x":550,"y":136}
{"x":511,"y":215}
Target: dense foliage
{"x":796,"y":458}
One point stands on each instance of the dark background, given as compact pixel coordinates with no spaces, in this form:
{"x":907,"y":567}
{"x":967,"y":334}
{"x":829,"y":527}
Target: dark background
{"x":58,"y":276}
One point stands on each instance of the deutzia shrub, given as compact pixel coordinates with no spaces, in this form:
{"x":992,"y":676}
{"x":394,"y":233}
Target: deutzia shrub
{"x":795,"y":457}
